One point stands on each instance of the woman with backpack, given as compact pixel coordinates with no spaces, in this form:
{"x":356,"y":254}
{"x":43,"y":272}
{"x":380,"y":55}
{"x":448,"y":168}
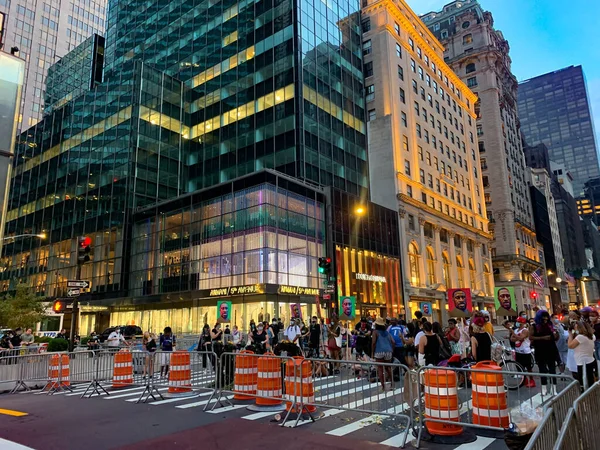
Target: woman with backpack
{"x":445,"y":349}
{"x":429,"y":347}
{"x":383,"y":349}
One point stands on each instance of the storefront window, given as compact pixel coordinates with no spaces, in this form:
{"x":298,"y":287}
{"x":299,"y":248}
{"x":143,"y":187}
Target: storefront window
{"x":413,"y":261}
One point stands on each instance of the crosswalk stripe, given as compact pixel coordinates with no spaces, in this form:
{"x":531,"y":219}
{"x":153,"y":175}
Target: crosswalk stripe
{"x":226,"y":408}
{"x":480,"y":444}
{"x":347,"y":429}
{"x":113,"y":397}
{"x":259,"y":415}
{"x":202,"y":403}
{"x":172,"y":400}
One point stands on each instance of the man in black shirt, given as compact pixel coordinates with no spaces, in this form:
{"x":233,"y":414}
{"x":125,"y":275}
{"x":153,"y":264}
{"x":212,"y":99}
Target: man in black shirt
{"x":275,"y":329}
{"x":16,"y":339}
{"x":314,"y":337}
{"x":363,"y":337}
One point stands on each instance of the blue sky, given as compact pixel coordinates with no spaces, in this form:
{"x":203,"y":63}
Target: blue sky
{"x":545,"y":35}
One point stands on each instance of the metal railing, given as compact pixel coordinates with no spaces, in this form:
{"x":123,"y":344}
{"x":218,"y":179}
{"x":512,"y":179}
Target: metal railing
{"x":545,"y":434}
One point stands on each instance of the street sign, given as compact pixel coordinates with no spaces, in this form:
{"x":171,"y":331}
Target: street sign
{"x":83,"y":284}
{"x":74,"y":292}
{"x":326,"y":297}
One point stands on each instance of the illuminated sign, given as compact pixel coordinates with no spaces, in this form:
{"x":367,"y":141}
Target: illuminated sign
{"x":237,"y":290}
{"x":298,"y":290}
{"x":367,"y":277}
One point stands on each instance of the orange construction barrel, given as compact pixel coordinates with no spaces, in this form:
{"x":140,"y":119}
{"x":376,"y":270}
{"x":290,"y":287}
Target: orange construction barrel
{"x":299,"y":385}
{"x":123,"y":369}
{"x":180,"y":375}
{"x":490,"y":407}
{"x":58,"y":372}
{"x":441,"y":402}
{"x":246,"y":375}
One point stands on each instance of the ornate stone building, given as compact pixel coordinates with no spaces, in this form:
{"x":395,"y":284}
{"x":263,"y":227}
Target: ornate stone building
{"x":479,"y":55}
{"x":423,"y":159}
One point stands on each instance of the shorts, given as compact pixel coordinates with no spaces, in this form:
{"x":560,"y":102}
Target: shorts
{"x":410,"y":351}
{"x":525,"y":360}
{"x":383,"y":357}
{"x":165,"y":358}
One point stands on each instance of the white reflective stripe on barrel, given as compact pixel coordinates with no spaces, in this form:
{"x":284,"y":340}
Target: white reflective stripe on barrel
{"x":125,"y":364}
{"x":438,"y":414}
{"x":244,"y":388}
{"x":269,"y":393}
{"x":177,"y":368}
{"x":269,"y":374}
{"x":242,"y":371}
{"x":490,"y":412}
{"x":440,"y":391}
{"x":485,"y":389}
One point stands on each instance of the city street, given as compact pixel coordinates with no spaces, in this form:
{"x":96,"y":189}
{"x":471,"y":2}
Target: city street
{"x":64,"y":420}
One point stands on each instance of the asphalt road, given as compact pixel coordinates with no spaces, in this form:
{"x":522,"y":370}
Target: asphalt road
{"x":64,"y":423}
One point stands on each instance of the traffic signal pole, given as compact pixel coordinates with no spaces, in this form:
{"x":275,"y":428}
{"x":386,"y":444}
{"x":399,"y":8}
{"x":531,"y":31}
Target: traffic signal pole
{"x":74,"y":313}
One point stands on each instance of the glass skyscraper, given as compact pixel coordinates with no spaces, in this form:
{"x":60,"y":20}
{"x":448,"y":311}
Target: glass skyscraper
{"x":554,"y":109}
{"x":195,"y":94}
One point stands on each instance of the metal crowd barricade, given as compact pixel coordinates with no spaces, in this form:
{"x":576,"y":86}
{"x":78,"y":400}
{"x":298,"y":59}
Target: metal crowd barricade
{"x":350,"y":388}
{"x":156,"y":381}
{"x":569,"y":436}
{"x":516,"y":398}
{"x":563,"y":402}
{"x":587,"y":413}
{"x":224,"y":390}
{"x":545,"y":434}
{"x":23,"y":371}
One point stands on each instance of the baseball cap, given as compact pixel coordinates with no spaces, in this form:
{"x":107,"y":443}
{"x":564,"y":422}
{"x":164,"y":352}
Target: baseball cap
{"x":521,"y":320}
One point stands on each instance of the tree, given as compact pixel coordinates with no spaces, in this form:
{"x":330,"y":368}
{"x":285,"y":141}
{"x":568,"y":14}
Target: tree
{"x":23,"y":309}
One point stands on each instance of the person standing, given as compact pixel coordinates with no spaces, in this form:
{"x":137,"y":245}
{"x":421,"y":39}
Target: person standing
{"x":293,"y":332}
{"x":27,"y":338}
{"x":398,"y":332}
{"x":453,"y":337}
{"x":595,"y":322}
{"x":383,"y":350}
{"x":581,"y":340}
{"x":523,"y":349}
{"x":429,"y":346}
{"x":363,"y":337}
{"x":543,"y":337}
{"x":314,"y":335}
{"x":275,"y":330}
{"x":561,"y":344}
{"x":204,"y":345}
{"x":115,"y":339}
{"x":168,"y":343}
{"x":334,"y":343}
{"x":149,"y":345}
{"x":63,"y":334}
{"x":488,"y":327}
{"x":481,"y":341}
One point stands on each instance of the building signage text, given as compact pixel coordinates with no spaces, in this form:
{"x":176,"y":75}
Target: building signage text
{"x":367,"y":277}
{"x":298,"y":290}
{"x":237,"y":290}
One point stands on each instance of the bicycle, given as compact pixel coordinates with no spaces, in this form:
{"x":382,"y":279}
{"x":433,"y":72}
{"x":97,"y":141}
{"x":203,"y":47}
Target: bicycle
{"x":507,"y":363}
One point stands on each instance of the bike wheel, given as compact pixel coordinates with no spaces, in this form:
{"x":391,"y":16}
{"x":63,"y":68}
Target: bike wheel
{"x":514,"y":380}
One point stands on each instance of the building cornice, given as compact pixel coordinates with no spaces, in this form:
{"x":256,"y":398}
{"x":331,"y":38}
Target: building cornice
{"x":392,"y":7}
{"x":417,"y":204}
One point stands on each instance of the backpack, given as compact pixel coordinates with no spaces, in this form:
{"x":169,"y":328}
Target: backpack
{"x":166,"y":343}
{"x":496,"y":350}
{"x":445,"y":349}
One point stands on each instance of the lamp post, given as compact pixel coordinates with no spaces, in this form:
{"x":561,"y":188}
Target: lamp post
{"x":41,"y":236}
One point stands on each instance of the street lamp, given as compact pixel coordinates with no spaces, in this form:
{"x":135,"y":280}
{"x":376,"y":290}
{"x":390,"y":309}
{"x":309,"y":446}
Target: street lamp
{"x":41,"y":236}
{"x":360,"y":210}
{"x":558,"y":279}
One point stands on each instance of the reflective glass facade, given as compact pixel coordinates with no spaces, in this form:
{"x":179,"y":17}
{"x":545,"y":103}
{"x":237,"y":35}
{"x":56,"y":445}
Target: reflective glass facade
{"x":196,"y":93}
{"x":83,"y":169}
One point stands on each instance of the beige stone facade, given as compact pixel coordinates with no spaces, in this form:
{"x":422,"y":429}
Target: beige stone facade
{"x":423,"y":158}
{"x":479,"y":55}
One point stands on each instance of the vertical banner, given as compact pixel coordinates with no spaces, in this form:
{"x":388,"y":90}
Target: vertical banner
{"x":505,"y":301}
{"x":347,"y":308}
{"x":223,"y":311}
{"x":425,"y":308}
{"x":296,"y":311}
{"x":460,"y":303}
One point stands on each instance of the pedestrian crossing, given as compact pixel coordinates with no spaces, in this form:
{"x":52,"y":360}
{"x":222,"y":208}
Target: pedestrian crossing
{"x":344,"y":394}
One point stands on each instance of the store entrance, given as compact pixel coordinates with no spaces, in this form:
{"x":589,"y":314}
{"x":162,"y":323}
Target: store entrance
{"x":372,"y":311}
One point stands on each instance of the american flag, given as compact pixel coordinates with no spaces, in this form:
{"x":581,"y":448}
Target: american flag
{"x":538,"y":277}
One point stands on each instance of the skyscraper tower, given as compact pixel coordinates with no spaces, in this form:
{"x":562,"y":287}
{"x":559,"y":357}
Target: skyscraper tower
{"x":44,"y":32}
{"x":479,"y":54}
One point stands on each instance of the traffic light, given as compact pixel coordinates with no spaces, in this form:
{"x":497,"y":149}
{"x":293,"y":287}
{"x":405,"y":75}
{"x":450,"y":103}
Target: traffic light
{"x":324,"y":265}
{"x":533,"y":295}
{"x":83,"y":249}
{"x":58,"y":306}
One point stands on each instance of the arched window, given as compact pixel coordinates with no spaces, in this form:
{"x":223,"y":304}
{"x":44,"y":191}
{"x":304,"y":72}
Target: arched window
{"x":473,"y":274}
{"x":461,"y":272}
{"x":430,"y":267}
{"x":487,"y":280}
{"x":413,"y":262}
{"x":470,"y":68}
{"x":446,"y":269}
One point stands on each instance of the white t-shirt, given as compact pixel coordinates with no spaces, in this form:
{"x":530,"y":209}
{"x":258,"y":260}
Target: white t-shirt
{"x":115,"y":339}
{"x":584,"y":352}
{"x":525,"y":345}
{"x":418,"y":338}
{"x":291,"y":332}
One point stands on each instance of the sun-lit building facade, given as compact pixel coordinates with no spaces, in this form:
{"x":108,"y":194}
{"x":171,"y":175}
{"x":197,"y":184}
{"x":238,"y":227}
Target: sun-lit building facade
{"x":423,"y":158}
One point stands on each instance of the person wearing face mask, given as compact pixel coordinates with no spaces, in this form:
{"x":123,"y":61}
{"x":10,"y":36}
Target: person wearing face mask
{"x":523,"y":349}
{"x":561,"y":343}
{"x":260,"y":339}
{"x":543,"y":337}
{"x":293,"y":333}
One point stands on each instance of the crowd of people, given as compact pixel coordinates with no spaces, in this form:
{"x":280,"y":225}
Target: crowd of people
{"x":15,"y":339}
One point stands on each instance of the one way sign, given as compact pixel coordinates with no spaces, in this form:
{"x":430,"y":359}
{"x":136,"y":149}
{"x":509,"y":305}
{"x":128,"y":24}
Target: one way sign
{"x":82,"y":284}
